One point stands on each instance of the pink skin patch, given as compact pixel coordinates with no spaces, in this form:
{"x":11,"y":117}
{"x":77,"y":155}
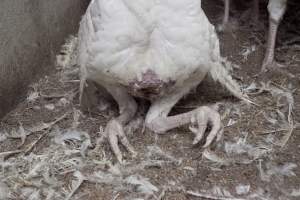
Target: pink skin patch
{"x":150,"y":86}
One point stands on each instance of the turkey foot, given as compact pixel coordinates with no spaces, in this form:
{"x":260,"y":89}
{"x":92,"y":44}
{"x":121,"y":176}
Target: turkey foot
{"x":114,"y":129}
{"x":115,"y":133}
{"x":199,"y":124}
{"x":158,"y":121}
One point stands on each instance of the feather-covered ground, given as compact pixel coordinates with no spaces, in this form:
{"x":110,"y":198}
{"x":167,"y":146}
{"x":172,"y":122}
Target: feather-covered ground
{"x":50,"y":149}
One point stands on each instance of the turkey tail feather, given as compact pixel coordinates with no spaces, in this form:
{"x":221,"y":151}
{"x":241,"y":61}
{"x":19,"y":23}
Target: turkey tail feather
{"x":220,"y":74}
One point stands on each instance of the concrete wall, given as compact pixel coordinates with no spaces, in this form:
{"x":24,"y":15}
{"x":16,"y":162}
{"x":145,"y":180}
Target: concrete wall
{"x":31,"y":32}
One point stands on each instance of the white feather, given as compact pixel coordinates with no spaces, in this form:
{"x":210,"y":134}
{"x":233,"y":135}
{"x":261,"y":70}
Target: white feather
{"x":143,"y":184}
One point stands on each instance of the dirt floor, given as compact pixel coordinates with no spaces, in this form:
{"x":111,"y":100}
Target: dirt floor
{"x":51,"y":149}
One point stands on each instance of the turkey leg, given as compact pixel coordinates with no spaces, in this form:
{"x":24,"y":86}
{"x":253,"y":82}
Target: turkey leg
{"x":276,"y":10}
{"x":114,"y":128}
{"x":157,"y":118}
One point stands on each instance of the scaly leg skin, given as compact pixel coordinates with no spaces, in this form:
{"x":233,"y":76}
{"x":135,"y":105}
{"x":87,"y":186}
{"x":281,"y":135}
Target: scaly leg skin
{"x":276,"y":10}
{"x":224,"y":25}
{"x":114,"y":128}
{"x":157,"y":118}
{"x":269,"y":62}
{"x":227,"y":26}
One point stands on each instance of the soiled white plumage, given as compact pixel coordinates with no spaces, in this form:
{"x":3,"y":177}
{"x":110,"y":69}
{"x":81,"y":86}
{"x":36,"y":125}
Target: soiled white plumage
{"x":154,"y":49}
{"x":173,"y":38}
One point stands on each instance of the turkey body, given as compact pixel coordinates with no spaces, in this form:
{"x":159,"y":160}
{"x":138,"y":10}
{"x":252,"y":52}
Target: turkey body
{"x":146,"y":43}
{"x":154,"y":49}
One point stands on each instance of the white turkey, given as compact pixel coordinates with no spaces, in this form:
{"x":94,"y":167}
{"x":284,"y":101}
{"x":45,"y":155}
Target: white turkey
{"x":153,"y":49}
{"x":276,"y":9}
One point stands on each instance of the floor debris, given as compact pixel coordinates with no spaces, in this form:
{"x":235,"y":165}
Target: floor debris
{"x":52,"y":149}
